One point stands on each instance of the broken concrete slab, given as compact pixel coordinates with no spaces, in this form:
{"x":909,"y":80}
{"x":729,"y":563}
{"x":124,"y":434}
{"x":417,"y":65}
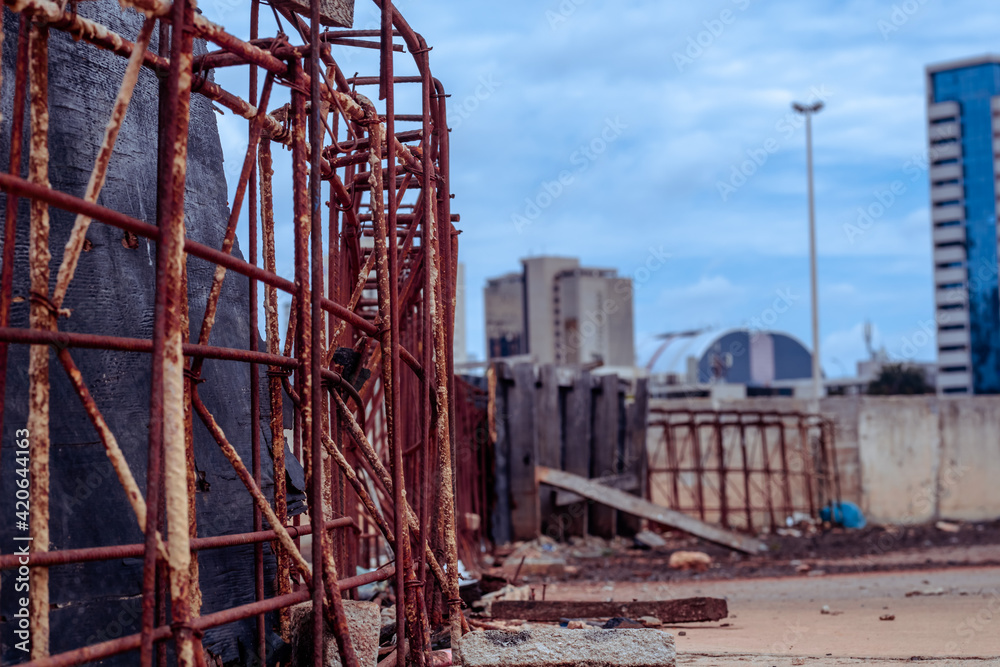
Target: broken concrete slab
{"x":363,"y":621}
{"x":562,"y":647}
{"x":688,"y":610}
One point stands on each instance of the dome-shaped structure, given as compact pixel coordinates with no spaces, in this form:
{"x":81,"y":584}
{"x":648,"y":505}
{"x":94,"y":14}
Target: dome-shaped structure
{"x":740,"y":356}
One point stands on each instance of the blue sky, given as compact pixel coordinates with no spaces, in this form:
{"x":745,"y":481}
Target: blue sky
{"x":649,"y":110}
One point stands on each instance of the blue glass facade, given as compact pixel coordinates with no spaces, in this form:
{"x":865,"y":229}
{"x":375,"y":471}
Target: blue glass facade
{"x":972,"y":88}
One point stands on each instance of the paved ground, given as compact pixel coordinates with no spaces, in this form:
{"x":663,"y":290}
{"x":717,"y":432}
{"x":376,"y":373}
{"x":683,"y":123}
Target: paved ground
{"x":778,"y":621}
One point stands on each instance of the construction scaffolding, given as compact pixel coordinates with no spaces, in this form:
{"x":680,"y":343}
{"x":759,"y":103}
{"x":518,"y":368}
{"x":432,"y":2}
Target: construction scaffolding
{"x":377,"y":300}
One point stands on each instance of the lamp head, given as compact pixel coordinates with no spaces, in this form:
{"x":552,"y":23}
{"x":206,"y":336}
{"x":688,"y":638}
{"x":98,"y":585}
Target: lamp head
{"x":807,"y":108}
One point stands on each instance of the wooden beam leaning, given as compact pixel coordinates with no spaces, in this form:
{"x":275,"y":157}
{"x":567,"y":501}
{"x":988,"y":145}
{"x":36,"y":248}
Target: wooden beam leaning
{"x":628,"y":503}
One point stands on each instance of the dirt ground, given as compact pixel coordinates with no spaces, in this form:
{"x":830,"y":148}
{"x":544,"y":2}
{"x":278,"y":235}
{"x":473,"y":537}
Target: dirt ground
{"x":954,"y":615}
{"x":814,"y":600}
{"x":832,"y":551}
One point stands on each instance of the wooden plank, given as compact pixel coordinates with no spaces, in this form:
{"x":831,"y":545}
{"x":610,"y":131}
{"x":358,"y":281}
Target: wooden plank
{"x":626,"y":482}
{"x":604,"y":457}
{"x":629,"y":503}
{"x":689,"y":610}
{"x":635,"y":451}
{"x":576,"y":446}
{"x":502,"y":531}
{"x":548,"y":434}
{"x":524,"y":508}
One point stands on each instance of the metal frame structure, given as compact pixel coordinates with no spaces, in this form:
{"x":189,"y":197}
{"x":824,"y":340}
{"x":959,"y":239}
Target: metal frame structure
{"x":401,"y":485}
{"x":745,"y":470}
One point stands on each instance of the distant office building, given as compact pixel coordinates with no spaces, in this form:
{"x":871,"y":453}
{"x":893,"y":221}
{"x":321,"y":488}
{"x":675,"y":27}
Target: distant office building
{"x":559,"y":312}
{"x":503,"y":301}
{"x":963,"y":116}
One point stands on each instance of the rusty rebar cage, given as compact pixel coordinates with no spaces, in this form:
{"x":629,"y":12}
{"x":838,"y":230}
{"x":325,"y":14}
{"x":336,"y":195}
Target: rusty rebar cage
{"x":378,"y":456}
{"x":749,"y":470}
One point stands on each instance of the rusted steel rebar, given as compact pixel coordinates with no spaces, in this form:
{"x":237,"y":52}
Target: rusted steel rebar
{"x":208,"y":321}
{"x":446,"y":495}
{"x":359,"y":488}
{"x":252,"y":213}
{"x":241,"y":470}
{"x":153,"y":603}
{"x":412,"y":438}
{"x":174,"y":424}
{"x":111,"y":447}
{"x":42,"y":316}
{"x":382,"y":475}
{"x":90,"y":554}
{"x":389,"y":378}
{"x":340,"y":628}
{"x":277,"y":425}
{"x":162,"y":633}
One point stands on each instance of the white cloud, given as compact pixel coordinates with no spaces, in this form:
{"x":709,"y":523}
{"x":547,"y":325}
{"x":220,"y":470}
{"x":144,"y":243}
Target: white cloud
{"x":686,"y":130}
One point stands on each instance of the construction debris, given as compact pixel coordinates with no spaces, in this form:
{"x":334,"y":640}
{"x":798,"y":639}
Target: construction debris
{"x":925,"y":591}
{"x":562,"y":647}
{"x":537,"y":558}
{"x":689,"y":610}
{"x":643,"y":508}
{"x":363,"y":622}
{"x":508,"y":592}
{"x":690,"y":560}
{"x":947,"y":526}
{"x":648,"y":538}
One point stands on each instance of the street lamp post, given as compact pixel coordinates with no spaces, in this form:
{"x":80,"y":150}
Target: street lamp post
{"x":808,"y":110}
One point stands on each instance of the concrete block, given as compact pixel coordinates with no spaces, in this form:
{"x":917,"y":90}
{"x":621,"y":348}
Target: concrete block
{"x":562,"y":647}
{"x":364,"y":621}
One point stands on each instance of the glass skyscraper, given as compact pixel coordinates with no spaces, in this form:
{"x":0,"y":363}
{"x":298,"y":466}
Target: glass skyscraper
{"x":963,"y":117}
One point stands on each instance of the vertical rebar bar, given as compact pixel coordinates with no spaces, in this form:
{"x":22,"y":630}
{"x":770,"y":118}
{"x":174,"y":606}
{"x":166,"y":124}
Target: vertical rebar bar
{"x":152,"y":604}
{"x":283,"y":584}
{"x":174,"y":423}
{"x":258,"y":549}
{"x":321,"y":559}
{"x":42,"y":316}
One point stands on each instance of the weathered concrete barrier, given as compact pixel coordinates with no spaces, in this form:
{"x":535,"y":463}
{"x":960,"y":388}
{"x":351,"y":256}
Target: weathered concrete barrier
{"x":561,"y":647}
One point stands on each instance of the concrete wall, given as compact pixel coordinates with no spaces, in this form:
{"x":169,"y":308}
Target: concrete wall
{"x":904,"y":459}
{"x":899,"y":446}
{"x":967,"y":485}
